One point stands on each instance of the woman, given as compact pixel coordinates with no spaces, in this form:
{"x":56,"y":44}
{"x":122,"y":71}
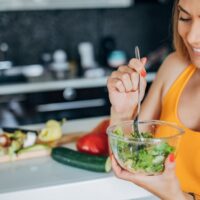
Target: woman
{"x":174,"y":96}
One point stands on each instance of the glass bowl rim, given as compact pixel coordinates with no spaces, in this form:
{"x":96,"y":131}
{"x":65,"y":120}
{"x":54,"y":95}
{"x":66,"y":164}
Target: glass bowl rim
{"x":145,"y":140}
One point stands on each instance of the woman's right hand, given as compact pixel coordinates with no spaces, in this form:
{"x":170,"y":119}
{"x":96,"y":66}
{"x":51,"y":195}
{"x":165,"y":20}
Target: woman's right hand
{"x":123,"y":85}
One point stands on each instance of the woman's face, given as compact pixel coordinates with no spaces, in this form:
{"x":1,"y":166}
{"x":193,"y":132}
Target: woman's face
{"x":189,"y":28}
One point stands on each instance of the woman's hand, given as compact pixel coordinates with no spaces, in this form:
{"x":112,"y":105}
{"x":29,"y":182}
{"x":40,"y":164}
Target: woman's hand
{"x":164,"y":186}
{"x":123,"y":85}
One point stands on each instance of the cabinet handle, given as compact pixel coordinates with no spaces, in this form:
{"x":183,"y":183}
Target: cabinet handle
{"x":71,"y":105}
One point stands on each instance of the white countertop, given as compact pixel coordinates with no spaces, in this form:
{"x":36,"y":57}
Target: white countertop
{"x":45,"y":179}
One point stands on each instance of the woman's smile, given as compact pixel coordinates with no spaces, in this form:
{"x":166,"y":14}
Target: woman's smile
{"x":194,"y":53}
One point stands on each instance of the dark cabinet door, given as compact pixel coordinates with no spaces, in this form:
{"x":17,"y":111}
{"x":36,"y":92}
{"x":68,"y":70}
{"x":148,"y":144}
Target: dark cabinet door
{"x":69,"y":103}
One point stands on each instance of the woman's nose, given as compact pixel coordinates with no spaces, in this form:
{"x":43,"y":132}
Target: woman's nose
{"x":193,"y":35}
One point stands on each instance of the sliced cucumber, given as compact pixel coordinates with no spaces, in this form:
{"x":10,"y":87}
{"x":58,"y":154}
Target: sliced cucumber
{"x":35,"y":147}
{"x":81,"y":160}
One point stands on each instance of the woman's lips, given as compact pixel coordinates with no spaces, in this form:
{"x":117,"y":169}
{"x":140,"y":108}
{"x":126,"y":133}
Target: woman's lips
{"x":196,"y":51}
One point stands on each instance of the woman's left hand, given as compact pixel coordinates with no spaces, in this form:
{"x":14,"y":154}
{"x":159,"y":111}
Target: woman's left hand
{"x":164,"y":186}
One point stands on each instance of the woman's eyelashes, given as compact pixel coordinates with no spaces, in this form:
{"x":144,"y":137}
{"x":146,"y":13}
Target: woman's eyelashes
{"x":184,"y":19}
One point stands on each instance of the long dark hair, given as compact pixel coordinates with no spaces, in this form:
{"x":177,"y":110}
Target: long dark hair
{"x":177,"y":40}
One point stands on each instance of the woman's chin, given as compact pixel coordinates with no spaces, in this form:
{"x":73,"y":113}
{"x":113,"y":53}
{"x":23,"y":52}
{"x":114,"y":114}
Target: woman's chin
{"x":196,"y":62}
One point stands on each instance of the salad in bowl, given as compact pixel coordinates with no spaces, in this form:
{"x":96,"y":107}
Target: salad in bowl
{"x":145,"y":151}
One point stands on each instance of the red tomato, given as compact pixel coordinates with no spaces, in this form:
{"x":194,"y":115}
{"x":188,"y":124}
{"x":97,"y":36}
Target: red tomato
{"x":95,"y":142}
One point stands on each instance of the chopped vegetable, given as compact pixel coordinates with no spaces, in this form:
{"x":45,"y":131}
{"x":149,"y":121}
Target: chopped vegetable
{"x":4,"y":140}
{"x":51,"y":132}
{"x":119,"y":131}
{"x":13,"y":148}
{"x":30,"y":139}
{"x":144,"y":157}
{"x":17,"y":139}
{"x":35,"y":147}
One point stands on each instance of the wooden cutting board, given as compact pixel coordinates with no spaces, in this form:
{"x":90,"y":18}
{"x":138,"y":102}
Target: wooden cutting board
{"x":65,"y":139}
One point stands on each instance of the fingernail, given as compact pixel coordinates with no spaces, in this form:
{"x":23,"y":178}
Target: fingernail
{"x":171,"y":157}
{"x":143,"y":73}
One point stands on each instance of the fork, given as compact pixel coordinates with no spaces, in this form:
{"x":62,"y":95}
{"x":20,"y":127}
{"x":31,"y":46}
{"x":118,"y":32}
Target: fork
{"x":136,"y":122}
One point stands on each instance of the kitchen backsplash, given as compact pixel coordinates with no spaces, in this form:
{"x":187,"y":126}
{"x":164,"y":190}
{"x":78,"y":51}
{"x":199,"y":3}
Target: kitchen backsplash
{"x":29,"y":34}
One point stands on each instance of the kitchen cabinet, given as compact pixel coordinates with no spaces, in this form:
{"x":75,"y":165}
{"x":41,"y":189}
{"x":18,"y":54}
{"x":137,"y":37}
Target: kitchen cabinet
{"x":38,"y":102}
{"x":30,"y":103}
{"x":43,"y":178}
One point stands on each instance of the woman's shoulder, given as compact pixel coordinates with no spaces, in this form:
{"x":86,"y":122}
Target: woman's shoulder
{"x":170,"y":69}
{"x":173,"y":64}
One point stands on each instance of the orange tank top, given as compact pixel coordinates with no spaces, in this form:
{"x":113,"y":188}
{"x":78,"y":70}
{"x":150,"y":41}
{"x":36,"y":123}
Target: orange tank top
{"x":188,"y":157}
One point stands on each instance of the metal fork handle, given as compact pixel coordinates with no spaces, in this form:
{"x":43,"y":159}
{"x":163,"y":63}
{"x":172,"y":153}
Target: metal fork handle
{"x":135,"y":124}
{"x":137,"y":55}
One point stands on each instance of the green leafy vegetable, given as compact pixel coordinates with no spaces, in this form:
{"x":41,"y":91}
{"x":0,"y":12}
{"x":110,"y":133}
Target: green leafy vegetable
{"x":144,"y":157}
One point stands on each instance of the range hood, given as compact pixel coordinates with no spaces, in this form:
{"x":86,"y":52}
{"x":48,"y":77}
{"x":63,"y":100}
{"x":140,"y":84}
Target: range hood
{"x":62,"y":4}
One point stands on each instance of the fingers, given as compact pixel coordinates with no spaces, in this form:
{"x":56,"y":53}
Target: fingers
{"x":126,"y":78}
{"x":169,"y":171}
{"x":125,"y":175}
{"x":133,"y":76}
{"x":116,"y":168}
{"x":123,"y":82}
{"x":138,"y":65}
{"x":115,"y":84}
{"x":119,"y":172}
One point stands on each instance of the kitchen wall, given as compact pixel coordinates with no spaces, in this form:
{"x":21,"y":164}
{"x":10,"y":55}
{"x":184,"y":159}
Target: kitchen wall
{"x":31,"y":33}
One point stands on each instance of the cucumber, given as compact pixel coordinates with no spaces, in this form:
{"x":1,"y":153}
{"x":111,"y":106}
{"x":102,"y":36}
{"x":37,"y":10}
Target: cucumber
{"x":81,"y":160}
{"x":35,"y":147}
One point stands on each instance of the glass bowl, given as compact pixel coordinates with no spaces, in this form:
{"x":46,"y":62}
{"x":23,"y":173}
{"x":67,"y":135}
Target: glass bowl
{"x":144,"y":155}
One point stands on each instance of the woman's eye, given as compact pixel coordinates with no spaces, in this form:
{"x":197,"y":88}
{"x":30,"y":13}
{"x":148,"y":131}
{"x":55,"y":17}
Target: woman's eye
{"x":184,"y":19}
